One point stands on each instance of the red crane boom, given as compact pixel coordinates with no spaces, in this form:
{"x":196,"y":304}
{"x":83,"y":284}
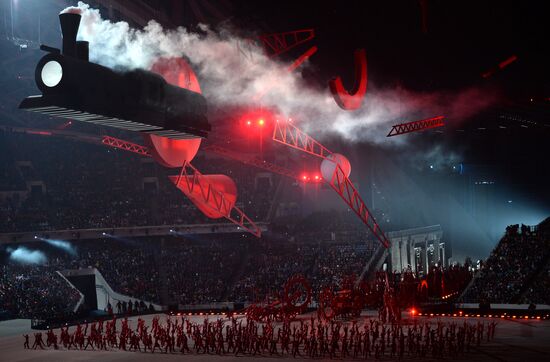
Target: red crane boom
{"x":416,"y":126}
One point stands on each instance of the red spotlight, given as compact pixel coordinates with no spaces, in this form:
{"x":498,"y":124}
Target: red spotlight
{"x":413,"y":311}
{"x":261,"y":122}
{"x":248,"y":123}
{"x":316,"y":177}
{"x":304,"y":177}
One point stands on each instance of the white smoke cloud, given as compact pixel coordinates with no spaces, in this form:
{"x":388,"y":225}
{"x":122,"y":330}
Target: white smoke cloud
{"x":229,"y":78}
{"x":27,"y":256}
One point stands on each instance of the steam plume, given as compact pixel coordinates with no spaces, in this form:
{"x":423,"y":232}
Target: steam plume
{"x":229,"y":78}
{"x":27,"y":256}
{"x":61,"y":244}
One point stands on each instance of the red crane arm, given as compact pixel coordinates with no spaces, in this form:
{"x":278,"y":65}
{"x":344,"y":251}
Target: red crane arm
{"x":279,"y":43}
{"x":190,"y":178}
{"x":416,"y":126}
{"x":290,"y":135}
{"x":125,"y":145}
{"x":344,"y":187}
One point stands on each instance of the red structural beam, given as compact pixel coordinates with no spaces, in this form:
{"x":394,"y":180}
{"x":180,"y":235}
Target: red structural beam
{"x":302,"y":58}
{"x":286,"y":133}
{"x":416,"y":126}
{"x":125,"y":145}
{"x":506,"y":62}
{"x":344,"y":187}
{"x":279,"y":43}
{"x":190,"y":178}
{"x":264,"y":165}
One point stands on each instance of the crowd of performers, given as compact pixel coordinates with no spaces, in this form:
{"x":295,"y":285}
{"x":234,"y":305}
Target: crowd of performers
{"x":301,"y":338}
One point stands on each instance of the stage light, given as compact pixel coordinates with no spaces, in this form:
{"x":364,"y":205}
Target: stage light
{"x":413,"y":311}
{"x":36,"y":236}
{"x":316,"y":177}
{"x":261,"y":122}
{"x":304,"y":177}
{"x":171,"y":230}
{"x":51,"y":73}
{"x":103,"y":233}
{"x":248,"y":123}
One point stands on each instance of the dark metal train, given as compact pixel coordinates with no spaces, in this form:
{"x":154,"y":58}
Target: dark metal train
{"x":73,"y":87}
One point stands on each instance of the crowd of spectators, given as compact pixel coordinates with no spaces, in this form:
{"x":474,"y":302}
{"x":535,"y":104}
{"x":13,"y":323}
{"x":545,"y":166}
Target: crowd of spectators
{"x":28,"y":291}
{"x":199,"y":274}
{"x":539,"y":290}
{"x":93,"y":186}
{"x":506,"y":274}
{"x":178,"y":270}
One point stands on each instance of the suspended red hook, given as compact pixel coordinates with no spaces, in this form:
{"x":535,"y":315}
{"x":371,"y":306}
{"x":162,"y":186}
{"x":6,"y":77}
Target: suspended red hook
{"x":352,"y":100}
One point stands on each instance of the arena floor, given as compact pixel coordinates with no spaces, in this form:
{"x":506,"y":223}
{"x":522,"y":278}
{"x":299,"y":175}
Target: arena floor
{"x":515,"y":340}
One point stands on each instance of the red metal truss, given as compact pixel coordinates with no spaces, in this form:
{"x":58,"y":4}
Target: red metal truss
{"x":190,"y":178}
{"x":276,"y":44}
{"x":416,"y":126}
{"x":288,"y":134}
{"x":252,"y":161}
{"x":344,"y":187}
{"x":125,"y":145}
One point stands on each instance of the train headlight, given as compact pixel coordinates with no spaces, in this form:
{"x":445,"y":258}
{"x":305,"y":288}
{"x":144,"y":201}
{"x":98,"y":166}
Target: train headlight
{"x":51,"y":73}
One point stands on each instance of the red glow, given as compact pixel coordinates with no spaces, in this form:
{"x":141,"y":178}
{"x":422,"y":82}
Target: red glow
{"x":507,"y":62}
{"x":248,"y":123}
{"x":261,"y":122}
{"x":304,"y":177}
{"x":413,"y":311}
{"x":316,"y":177}
{"x":41,"y":133}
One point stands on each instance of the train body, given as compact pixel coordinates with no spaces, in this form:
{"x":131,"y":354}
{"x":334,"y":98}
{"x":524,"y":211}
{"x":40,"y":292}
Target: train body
{"x":137,"y":100}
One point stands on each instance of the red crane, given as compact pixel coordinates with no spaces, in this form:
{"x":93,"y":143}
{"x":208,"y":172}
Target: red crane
{"x":288,"y":134}
{"x":279,"y":43}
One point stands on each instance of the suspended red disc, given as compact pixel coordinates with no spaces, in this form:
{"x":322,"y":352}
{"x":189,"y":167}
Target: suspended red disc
{"x":166,"y":151}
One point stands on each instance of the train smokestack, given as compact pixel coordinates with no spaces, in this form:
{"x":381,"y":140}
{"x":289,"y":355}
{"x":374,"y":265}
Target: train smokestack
{"x":69,"y":28}
{"x":83,"y":50}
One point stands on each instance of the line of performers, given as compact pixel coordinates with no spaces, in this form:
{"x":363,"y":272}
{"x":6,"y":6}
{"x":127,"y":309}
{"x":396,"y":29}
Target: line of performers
{"x":312,"y":338}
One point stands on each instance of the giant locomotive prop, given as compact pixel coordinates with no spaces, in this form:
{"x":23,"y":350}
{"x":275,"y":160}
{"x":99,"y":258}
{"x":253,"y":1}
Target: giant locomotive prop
{"x":137,"y":100}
